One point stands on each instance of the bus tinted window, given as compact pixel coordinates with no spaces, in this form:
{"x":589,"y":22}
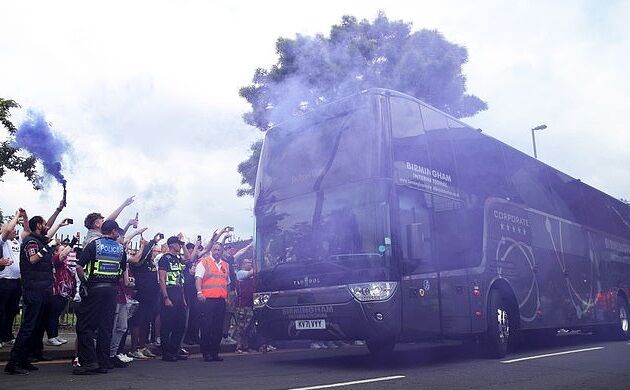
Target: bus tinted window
{"x":406,"y":120}
{"x":528,"y":181}
{"x":480,"y":166}
{"x":433,"y":120}
{"x":568,"y":198}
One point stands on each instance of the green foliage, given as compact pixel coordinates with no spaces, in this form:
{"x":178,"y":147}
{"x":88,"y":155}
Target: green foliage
{"x":313,"y":70}
{"x":12,"y":158}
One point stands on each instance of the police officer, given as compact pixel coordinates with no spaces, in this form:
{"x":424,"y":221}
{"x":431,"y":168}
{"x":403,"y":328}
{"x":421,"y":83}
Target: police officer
{"x":100,"y":266}
{"x":173,"y":308}
{"x":37,"y":278}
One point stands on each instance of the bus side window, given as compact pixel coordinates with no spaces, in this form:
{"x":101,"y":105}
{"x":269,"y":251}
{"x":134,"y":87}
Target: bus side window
{"x":415,"y":230}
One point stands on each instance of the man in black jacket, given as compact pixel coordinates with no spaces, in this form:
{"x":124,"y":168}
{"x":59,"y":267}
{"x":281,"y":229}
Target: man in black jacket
{"x":37,"y":279}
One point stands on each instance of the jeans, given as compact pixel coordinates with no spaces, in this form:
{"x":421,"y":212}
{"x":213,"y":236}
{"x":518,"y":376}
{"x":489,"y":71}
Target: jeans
{"x":120,"y":328}
{"x":57,"y":306}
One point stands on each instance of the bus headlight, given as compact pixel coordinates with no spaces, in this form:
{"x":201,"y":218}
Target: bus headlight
{"x":261,"y":299}
{"x":373,"y":291}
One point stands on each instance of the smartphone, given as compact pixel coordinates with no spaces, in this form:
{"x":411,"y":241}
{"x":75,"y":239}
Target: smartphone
{"x":70,"y":221}
{"x":161,"y":236}
{"x":199,"y":238}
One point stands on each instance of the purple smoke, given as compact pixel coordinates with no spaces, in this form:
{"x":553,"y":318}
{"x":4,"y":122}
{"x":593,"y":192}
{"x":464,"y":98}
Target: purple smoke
{"x":35,"y":136}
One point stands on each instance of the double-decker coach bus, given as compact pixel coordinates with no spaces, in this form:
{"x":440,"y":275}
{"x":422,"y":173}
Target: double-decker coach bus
{"x":382,"y":219}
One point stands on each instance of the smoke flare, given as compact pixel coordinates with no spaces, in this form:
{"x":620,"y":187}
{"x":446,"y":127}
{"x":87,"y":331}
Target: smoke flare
{"x":35,"y":136}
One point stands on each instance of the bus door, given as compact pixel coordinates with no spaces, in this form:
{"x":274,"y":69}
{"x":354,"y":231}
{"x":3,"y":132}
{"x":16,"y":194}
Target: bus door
{"x":420,"y":279}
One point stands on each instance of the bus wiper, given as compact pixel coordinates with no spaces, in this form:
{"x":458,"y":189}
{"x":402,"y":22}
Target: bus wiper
{"x":351,"y":255}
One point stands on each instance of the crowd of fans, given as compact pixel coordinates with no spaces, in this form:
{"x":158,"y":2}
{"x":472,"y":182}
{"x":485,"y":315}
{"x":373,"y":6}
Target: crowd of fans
{"x":164,"y":294}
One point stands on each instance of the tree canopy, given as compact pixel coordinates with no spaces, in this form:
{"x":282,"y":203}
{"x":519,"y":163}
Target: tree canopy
{"x":13,"y":158}
{"x":313,"y":70}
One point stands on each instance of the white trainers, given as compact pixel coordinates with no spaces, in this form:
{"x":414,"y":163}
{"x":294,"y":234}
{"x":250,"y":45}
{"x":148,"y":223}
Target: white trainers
{"x":61,"y":340}
{"x":138,"y":355}
{"x":54,"y":342}
{"x":124,"y":358}
{"x":147,"y":352}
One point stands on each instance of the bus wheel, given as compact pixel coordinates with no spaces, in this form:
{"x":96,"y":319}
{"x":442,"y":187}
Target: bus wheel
{"x":622,"y":331}
{"x":380,"y":348}
{"x":498,"y":335}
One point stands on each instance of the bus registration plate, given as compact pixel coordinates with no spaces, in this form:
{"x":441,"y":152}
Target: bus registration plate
{"x":310,"y":324}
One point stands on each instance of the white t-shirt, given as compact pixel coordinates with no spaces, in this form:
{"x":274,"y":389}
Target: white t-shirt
{"x":11,"y":250}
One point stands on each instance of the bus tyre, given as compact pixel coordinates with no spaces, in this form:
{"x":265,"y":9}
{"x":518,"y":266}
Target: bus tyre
{"x":621,"y":331}
{"x":380,"y":348}
{"x":497,"y":336}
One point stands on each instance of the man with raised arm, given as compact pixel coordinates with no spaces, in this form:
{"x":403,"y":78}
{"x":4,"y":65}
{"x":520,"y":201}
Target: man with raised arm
{"x":94,"y":221}
{"x":10,"y":283}
{"x":37,"y":278}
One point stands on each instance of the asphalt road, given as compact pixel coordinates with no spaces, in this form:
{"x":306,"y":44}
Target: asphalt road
{"x":576,"y":362}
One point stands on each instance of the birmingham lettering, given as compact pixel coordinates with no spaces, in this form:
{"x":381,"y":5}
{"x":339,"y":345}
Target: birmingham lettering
{"x":428,"y":172}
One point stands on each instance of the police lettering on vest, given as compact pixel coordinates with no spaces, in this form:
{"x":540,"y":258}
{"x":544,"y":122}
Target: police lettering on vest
{"x":107,"y":262}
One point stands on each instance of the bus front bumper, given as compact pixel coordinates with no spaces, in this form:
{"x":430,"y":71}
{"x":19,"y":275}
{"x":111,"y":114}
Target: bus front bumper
{"x":351,"y":320}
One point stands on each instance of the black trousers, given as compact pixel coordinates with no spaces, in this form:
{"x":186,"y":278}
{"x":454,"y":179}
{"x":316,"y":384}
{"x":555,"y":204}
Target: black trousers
{"x":95,"y":319}
{"x":29,"y":338}
{"x":212,"y":316}
{"x":173,"y":322}
{"x":192,"y":328}
{"x":10,"y":294}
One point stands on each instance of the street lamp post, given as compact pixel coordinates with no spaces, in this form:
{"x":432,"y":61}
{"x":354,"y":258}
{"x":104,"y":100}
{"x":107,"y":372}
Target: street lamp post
{"x":541,"y":127}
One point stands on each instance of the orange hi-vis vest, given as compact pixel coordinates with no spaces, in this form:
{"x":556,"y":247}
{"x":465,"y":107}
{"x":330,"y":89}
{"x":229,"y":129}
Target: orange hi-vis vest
{"x":214,"y":283}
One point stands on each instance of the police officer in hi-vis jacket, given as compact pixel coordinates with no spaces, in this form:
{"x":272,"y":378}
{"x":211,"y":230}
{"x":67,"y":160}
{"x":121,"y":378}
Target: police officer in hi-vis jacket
{"x":100,"y":266}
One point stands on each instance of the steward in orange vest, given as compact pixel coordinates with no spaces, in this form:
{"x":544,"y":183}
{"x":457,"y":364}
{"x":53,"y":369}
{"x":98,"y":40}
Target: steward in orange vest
{"x":211,"y":280}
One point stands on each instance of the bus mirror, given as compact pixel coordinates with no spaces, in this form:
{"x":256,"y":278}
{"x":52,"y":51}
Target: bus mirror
{"x":415,"y":240}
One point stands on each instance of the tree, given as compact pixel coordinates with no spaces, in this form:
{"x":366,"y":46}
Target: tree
{"x":355,"y":56}
{"x":10,"y":157}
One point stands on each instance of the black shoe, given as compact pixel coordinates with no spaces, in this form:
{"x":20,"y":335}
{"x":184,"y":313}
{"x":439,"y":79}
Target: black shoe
{"x":41,"y":358}
{"x":82,"y":371}
{"x":179,"y":356}
{"x":207,"y":358}
{"x":29,"y":367}
{"x":100,"y":370}
{"x":11,"y":369}
{"x":117,"y":363}
{"x":169,"y":358}
{"x":217,"y":358}
{"x":109,"y":364}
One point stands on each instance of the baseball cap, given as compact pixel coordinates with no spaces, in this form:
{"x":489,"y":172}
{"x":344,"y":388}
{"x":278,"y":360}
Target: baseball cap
{"x":109,"y":226}
{"x":174,"y":240}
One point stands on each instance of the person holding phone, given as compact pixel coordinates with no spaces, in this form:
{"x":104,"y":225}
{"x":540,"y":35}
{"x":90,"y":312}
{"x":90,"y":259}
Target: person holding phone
{"x":37,"y":278}
{"x":10,"y":282}
{"x":144,"y":269}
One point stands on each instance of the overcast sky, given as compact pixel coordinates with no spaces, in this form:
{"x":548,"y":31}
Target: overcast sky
{"x":147,"y":92}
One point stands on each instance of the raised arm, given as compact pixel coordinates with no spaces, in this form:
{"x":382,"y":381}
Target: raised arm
{"x":142,"y":251}
{"x":10,"y":226}
{"x":54,"y":216}
{"x":134,"y":234}
{"x":27,"y":229}
{"x":51,"y":233}
{"x":116,"y":213}
{"x":240,"y":253}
